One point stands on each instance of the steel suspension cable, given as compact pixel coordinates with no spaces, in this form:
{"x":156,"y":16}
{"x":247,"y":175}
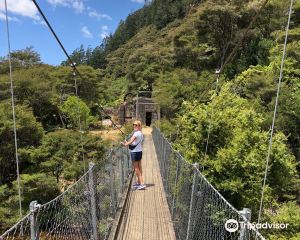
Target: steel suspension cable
{"x":56,"y":37}
{"x":239,"y":43}
{"x":227,"y":61}
{"x":210,"y":120}
{"x":79,"y":120}
{"x":231,"y":55}
{"x":73,"y":65}
{"x":275,"y":110}
{"x":64,"y":50}
{"x":13,"y":110}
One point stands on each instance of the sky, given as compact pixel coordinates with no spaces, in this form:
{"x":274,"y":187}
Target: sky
{"x":75,"y":22}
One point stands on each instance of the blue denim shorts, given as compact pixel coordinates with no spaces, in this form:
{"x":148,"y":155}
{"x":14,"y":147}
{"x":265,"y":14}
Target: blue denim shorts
{"x":136,"y":156}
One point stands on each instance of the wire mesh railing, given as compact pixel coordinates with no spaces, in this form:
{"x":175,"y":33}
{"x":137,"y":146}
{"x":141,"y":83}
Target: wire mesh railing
{"x":198,"y":210}
{"x":86,"y":210}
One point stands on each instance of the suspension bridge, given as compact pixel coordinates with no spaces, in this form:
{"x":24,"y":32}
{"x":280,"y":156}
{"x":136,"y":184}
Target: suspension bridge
{"x":178,"y":203}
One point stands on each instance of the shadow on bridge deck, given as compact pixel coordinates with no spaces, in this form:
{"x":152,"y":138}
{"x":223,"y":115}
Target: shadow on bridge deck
{"x":147,"y":214}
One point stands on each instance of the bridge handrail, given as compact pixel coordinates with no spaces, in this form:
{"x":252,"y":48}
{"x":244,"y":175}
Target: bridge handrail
{"x":86,"y":209}
{"x":198,"y":171}
{"x":198,"y":209}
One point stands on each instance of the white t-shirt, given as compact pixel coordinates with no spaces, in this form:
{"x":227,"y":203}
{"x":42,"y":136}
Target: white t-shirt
{"x":138,"y":140}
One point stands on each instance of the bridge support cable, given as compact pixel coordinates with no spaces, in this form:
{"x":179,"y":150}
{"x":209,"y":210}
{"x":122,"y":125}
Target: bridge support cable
{"x":55,"y":36}
{"x":79,"y":117}
{"x":211,"y":115}
{"x":198,"y":210}
{"x":84,"y":210}
{"x":93,"y":201}
{"x":191,"y":220}
{"x":13,"y":110}
{"x":275,"y":110}
{"x":225,"y":62}
{"x":239,"y":43}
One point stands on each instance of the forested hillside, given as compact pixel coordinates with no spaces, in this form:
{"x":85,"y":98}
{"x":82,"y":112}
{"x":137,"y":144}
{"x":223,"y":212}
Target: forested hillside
{"x":172,"y":47}
{"x":51,"y":156}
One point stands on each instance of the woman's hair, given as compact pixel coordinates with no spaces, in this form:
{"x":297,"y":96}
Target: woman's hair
{"x":138,"y":123}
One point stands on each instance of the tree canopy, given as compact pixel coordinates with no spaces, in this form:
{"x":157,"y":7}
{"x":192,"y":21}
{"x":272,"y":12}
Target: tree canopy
{"x":172,"y":48}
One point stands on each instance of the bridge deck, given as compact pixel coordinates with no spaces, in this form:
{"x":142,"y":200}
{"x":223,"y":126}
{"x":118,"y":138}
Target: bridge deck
{"x":147,"y":215}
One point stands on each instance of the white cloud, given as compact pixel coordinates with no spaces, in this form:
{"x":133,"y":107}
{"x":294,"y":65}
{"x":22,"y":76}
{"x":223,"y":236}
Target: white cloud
{"x":58,"y":2}
{"x":104,"y":35}
{"x":41,"y":22}
{"x":138,"y":1}
{"x":77,"y":5}
{"x":142,"y":1}
{"x":104,"y":28}
{"x":24,"y":8}
{"x":86,"y":33}
{"x":3,"y":17}
{"x":99,"y":16}
{"x":104,"y":32}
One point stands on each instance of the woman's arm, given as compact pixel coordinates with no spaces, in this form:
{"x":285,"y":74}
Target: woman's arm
{"x":125,"y":143}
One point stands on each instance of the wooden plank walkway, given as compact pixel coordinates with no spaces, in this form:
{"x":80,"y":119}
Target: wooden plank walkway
{"x":147,"y":215}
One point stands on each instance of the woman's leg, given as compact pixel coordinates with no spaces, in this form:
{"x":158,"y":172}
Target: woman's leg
{"x":140,"y":166}
{"x":132,"y":155}
{"x":138,"y":172}
{"x":136,"y":176}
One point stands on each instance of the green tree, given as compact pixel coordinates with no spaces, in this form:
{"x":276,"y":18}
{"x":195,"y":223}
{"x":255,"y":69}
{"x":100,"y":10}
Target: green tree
{"x":24,"y":58}
{"x":237,"y":149}
{"x":35,"y":87}
{"x":78,"y":57}
{"x":61,"y":153}
{"x":172,"y":88}
{"x":29,"y":135}
{"x":87,"y":84}
{"x":40,"y":187}
{"x":288,"y":213}
{"x":97,"y":58}
{"x":77,"y":111}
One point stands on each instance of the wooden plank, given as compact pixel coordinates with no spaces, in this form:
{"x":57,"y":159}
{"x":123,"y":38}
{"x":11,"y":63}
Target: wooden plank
{"x":147,"y":216}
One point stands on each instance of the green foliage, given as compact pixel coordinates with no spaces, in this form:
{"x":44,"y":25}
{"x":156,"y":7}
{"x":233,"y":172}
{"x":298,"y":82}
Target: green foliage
{"x":21,"y":59}
{"x":29,"y":135}
{"x":172,"y":88}
{"x":87,"y":84}
{"x":159,"y":13}
{"x":45,"y":88}
{"x":40,"y":187}
{"x":256,"y":83}
{"x":168,"y":128}
{"x":77,"y":112}
{"x":34,"y":87}
{"x":172,"y":47}
{"x":288,"y":213}
{"x":237,"y":149}
{"x":217,"y":27}
{"x":62,"y":152}
{"x":78,"y":56}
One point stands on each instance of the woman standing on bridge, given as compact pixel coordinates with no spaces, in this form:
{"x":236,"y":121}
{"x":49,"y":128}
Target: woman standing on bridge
{"x":136,"y":152}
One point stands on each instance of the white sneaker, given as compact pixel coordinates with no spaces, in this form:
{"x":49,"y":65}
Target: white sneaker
{"x":141,"y":187}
